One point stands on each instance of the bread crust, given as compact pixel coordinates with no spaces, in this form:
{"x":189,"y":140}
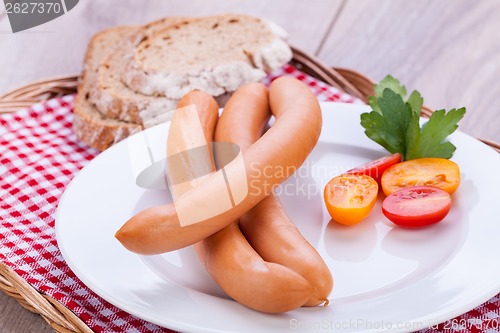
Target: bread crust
{"x":89,"y":125}
{"x":98,"y":133}
{"x":112,"y":97}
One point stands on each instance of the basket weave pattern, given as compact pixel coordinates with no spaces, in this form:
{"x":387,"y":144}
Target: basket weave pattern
{"x":57,"y":315}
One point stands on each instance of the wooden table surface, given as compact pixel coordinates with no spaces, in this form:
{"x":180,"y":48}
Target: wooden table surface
{"x":448,"y":50}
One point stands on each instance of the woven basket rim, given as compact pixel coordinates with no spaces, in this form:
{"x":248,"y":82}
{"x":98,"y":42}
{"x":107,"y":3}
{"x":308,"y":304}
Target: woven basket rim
{"x":55,"y":313}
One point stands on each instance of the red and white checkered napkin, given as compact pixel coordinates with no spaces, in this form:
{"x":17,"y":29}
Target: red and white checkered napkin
{"x":39,"y":155}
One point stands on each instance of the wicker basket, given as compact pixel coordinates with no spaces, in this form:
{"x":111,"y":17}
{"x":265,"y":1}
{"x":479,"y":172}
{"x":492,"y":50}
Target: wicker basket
{"x":57,"y":315}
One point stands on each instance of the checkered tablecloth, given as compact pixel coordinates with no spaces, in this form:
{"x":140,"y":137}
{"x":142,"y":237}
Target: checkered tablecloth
{"x":39,"y":155}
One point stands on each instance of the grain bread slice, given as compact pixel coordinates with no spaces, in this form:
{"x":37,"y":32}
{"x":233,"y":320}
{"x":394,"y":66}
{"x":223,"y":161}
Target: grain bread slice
{"x":89,"y":125}
{"x":216,"y":54}
{"x":112,"y":97}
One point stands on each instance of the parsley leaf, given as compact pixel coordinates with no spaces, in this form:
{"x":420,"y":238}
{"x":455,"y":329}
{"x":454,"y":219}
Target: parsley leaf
{"x":416,"y":102}
{"x":388,"y":127}
{"x":391,"y":83}
{"x":394,"y":123}
{"x":430,"y":142}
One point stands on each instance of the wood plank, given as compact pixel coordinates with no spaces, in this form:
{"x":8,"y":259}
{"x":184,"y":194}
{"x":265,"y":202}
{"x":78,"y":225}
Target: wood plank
{"x":448,"y":50}
{"x":15,"y":319}
{"x":57,"y":47}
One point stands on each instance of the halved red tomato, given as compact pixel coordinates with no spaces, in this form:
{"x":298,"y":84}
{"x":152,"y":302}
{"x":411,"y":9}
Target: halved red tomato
{"x":376,"y":168}
{"x":417,"y":206}
{"x":350,"y":198}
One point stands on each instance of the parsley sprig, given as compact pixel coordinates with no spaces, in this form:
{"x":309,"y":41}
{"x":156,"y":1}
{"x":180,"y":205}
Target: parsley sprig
{"x":394,"y":123}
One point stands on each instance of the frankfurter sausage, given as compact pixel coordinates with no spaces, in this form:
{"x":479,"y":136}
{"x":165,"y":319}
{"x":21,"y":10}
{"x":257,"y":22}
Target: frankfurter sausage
{"x":285,"y":146}
{"x":267,"y":227}
{"x":192,"y":127}
{"x":274,"y":236}
{"x":208,"y":113}
{"x":245,"y":277}
{"x":227,"y":256}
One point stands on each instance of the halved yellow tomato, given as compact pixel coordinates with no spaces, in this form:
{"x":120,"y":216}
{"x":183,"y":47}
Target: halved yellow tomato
{"x":438,"y":172}
{"x":349,"y":198}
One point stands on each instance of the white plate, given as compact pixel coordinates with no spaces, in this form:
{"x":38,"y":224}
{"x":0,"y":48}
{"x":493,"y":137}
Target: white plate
{"x":386,"y":278}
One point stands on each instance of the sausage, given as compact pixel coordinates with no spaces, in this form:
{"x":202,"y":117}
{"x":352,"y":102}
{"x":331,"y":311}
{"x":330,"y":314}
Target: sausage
{"x":284,"y":147}
{"x":208,"y":113}
{"x":274,"y":236}
{"x":227,"y":256}
{"x":191,"y":129}
{"x":267,"y":227}
{"x":245,"y":277}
